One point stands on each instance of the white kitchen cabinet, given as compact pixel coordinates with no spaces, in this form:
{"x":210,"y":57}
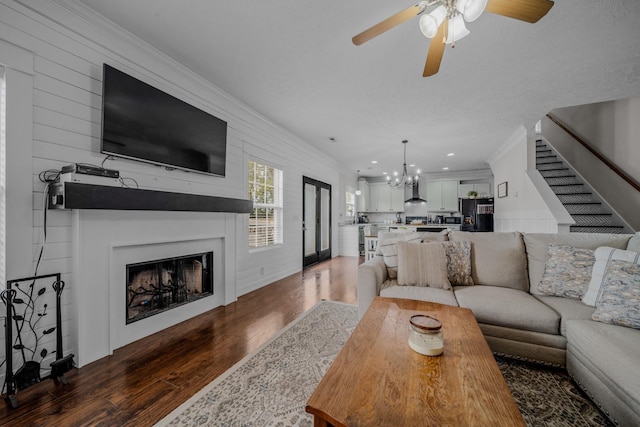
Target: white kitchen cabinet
{"x":442,"y":196}
{"x":363,"y":200}
{"x":482,"y":188}
{"x":348,"y":240}
{"x":385,"y":199}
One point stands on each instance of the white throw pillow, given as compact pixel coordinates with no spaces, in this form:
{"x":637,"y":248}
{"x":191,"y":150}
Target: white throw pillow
{"x":604,"y":255}
{"x":634,"y":243}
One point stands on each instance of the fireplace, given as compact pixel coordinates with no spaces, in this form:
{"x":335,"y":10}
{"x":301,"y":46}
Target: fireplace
{"x":153,"y":287}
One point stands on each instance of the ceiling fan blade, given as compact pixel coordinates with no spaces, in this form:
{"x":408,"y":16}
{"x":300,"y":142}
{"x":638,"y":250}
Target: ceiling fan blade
{"x":524,"y":10}
{"x":436,"y":50}
{"x":387,"y":24}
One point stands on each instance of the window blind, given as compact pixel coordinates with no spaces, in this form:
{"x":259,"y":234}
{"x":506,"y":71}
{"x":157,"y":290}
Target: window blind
{"x":266,"y":191}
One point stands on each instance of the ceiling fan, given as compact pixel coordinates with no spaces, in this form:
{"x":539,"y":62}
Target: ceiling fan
{"x":444,"y":22}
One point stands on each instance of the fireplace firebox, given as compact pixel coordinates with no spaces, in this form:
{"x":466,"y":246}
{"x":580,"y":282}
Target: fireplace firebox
{"x":156,"y":286}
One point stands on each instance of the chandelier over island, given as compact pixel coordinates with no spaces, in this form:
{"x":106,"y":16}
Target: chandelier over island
{"x":405,"y":180}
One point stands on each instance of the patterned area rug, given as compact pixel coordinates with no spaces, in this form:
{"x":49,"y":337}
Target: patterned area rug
{"x":271,"y":386}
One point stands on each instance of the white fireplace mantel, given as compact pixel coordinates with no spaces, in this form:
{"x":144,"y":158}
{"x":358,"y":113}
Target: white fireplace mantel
{"x":104,"y":241}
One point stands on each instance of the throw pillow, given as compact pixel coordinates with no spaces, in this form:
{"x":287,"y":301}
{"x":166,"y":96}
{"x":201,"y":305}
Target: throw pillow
{"x":619,"y":300}
{"x":458,"y":262}
{"x":604,"y":255}
{"x":567,"y":272}
{"x":387,"y":246}
{"x":422,"y":264}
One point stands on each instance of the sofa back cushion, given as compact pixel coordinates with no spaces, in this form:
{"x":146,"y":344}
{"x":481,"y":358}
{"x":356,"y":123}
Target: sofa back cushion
{"x":388,"y":248}
{"x":497,"y":259}
{"x":537,"y":245}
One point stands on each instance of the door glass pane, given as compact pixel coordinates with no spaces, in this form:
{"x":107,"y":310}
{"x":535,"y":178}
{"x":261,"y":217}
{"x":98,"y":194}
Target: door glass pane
{"x":325,"y":215}
{"x":309,"y":219}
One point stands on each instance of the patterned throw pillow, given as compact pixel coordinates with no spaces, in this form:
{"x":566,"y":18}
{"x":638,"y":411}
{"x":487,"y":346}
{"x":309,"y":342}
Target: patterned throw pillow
{"x":567,"y":272}
{"x":604,"y":255}
{"x":618,"y":302}
{"x":458,"y":262}
{"x":422,"y":264}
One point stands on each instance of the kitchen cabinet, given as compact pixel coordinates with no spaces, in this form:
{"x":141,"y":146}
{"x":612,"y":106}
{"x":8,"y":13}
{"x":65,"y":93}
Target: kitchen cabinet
{"x":383,"y":198}
{"x":442,"y":196}
{"x":482,"y":188}
{"x":348,"y":240}
{"x":363,"y":200}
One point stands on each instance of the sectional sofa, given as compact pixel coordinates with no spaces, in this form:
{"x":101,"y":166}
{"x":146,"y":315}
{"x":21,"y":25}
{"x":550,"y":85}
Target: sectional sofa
{"x":529,"y":294}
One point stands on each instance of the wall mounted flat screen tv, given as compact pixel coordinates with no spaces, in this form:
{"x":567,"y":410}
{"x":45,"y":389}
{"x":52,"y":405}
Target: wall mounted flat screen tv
{"x":143,"y":123}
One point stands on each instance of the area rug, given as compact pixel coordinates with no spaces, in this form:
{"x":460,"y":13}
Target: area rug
{"x":271,"y":386}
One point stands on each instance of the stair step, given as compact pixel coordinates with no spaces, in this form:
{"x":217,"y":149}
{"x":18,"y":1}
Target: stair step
{"x":546,"y":156}
{"x":583,"y":208}
{"x":562,"y":180}
{"x":550,"y":173}
{"x":543,"y":150}
{"x":575,"y":198}
{"x":592,"y":220}
{"x":568,"y":189}
{"x":546,"y":159}
{"x":614,"y":229}
{"x":549,"y":166}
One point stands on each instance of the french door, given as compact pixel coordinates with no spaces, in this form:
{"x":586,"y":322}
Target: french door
{"x":316,"y":224}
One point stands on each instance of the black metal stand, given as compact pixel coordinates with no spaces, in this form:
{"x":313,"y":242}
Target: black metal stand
{"x":25,"y":322}
{"x":62,"y":365}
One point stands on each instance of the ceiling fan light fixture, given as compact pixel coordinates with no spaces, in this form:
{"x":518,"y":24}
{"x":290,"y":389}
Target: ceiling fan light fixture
{"x":457,"y":29}
{"x":471,"y":9}
{"x":429,"y":22}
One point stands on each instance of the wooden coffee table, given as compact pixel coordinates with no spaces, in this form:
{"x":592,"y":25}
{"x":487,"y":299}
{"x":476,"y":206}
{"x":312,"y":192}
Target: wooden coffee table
{"x":377,"y":380}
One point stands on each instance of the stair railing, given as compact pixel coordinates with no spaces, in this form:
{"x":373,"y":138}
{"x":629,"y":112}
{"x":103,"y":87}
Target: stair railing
{"x":599,"y":156}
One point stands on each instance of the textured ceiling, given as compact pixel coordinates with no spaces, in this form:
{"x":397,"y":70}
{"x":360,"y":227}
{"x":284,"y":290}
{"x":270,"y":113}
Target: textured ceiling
{"x":293,"y":61}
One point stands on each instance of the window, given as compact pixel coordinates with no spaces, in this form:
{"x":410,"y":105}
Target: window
{"x":3,"y":153}
{"x":265,"y":221}
{"x":351,"y":204}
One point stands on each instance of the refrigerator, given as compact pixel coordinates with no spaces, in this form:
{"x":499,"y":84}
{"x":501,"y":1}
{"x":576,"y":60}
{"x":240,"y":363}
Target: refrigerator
{"x":477,"y":214}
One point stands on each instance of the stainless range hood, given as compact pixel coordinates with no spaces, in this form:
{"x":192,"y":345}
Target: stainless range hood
{"x":415,"y":197}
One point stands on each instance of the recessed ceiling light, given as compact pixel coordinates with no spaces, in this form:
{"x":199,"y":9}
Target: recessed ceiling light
{"x":385,"y":173}
{"x":374,"y":162}
{"x":412,"y":166}
{"x":451,"y":154}
{"x":445,"y":168}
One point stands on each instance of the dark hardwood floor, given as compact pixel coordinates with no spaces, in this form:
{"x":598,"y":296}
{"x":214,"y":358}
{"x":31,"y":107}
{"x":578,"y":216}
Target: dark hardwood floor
{"x":144,"y":381}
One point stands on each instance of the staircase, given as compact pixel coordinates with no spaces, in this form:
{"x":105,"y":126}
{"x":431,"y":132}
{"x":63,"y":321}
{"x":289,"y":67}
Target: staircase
{"x":590,"y":216}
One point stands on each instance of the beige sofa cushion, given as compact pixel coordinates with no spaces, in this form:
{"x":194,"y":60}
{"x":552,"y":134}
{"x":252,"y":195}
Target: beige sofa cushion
{"x":611,"y":352}
{"x":510,"y":308}
{"x":440,"y":296}
{"x":537,"y":243}
{"x":422,"y":264}
{"x":497,"y":259}
{"x":388,"y":248}
{"x":568,"y":309}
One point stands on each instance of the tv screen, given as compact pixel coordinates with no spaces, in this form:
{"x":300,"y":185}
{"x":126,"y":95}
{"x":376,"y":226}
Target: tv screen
{"x":144,"y":123}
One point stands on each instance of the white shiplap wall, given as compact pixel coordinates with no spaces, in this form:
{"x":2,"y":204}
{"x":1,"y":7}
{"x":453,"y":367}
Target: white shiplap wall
{"x":69,"y":44}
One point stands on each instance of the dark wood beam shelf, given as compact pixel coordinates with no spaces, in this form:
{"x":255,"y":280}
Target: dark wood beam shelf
{"x":89,"y":196}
